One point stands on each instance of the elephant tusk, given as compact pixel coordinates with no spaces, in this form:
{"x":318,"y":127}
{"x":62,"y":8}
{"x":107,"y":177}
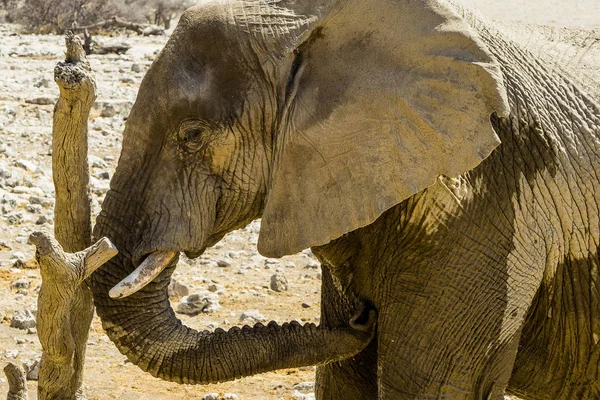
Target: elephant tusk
{"x":152,"y":266}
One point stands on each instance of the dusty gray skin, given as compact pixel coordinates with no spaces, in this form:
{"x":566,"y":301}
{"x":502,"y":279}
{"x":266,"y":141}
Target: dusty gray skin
{"x":443,"y":176}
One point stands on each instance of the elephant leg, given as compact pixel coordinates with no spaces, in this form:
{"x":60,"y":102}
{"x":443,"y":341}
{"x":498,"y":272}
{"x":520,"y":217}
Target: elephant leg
{"x":354,"y":378}
{"x":559,"y":354}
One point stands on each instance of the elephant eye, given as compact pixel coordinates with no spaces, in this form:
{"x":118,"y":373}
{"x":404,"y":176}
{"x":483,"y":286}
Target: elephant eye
{"x":192,"y":134}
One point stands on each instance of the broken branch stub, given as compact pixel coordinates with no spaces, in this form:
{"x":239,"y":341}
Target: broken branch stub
{"x":17,"y":382}
{"x":64,"y":316}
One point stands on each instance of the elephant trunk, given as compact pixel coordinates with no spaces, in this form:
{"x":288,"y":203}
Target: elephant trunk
{"x":145,"y":329}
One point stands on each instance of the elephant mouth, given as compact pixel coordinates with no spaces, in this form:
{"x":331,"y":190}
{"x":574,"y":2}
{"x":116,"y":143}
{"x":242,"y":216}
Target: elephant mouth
{"x":146,"y":272}
{"x":149,"y":268}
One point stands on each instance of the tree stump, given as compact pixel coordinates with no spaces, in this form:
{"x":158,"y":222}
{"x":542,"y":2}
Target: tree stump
{"x":17,"y":382}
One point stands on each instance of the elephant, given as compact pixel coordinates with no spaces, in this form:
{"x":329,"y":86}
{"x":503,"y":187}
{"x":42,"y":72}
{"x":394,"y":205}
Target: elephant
{"x":445,"y":177}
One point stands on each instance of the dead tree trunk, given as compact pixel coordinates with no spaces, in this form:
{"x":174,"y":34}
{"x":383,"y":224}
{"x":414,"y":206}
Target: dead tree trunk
{"x":65,"y":306}
{"x":72,"y":215}
{"x":61,"y":328}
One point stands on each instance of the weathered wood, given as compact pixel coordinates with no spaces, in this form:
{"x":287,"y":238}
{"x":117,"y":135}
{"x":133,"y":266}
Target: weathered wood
{"x":65,"y":306}
{"x":17,"y":382}
{"x":60,"y":323}
{"x":72,"y":215}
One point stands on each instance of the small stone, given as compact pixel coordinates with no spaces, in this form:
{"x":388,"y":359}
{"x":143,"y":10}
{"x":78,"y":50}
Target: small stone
{"x":41,"y":101}
{"x":17,"y":255}
{"x":211,"y":396}
{"x":304,"y":386}
{"x":29,"y":264}
{"x":301,"y":396}
{"x":42,"y":82}
{"x":42,"y":201}
{"x":177,"y":290}
{"x":32,"y":367}
{"x":42,"y":220}
{"x":11,"y":353}
{"x":21,"y":283}
{"x":312,"y":264}
{"x":252,"y":316}
{"x":196,"y":303}
{"x":215,"y":288}
{"x":104,"y":175}
{"x":108,"y":111}
{"x":26,"y":165}
{"x":34,"y":208}
{"x":32,"y":331}
{"x":223,"y":264}
{"x":127,"y":80}
{"x":23,"y":320}
{"x":306,"y":305}
{"x":136,"y":67}
{"x":97,"y":162}
{"x":230,"y":396}
{"x":14,"y":219}
{"x":279,"y":283}
{"x":4,"y":246}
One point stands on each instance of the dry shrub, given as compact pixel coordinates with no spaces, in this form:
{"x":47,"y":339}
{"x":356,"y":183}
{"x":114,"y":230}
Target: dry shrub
{"x":56,"y":16}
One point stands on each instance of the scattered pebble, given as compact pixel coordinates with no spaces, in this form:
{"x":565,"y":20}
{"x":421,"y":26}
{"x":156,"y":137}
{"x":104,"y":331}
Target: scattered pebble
{"x":279,"y":283}
{"x":21,"y":283}
{"x":177,"y":290}
{"x":23,"y":320}
{"x":196,"y":303}
{"x":32,"y":368}
{"x":252,"y":317}
{"x":304,"y":386}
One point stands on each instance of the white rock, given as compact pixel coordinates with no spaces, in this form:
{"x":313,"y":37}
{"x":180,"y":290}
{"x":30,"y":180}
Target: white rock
{"x":304,"y":386}
{"x":196,"y":303}
{"x":32,"y":367}
{"x":23,"y":320}
{"x":301,"y":396}
{"x":11,"y":353}
{"x":26,"y":165}
{"x":211,"y":396}
{"x":96,"y":162}
{"x":230,"y":396}
{"x":252,"y":316}
{"x":177,"y":290}
{"x":21,"y":283}
{"x":279,"y":283}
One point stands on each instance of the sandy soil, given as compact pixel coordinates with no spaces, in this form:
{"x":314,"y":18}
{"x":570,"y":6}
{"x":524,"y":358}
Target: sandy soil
{"x":26,"y":197}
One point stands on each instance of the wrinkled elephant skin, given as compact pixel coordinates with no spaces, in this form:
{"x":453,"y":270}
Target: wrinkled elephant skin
{"x":445,"y":177}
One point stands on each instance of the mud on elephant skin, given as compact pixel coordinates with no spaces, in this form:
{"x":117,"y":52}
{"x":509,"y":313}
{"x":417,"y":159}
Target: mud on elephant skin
{"x":442,"y":174}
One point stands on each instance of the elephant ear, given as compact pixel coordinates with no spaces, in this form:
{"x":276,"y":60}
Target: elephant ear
{"x":384,"y":97}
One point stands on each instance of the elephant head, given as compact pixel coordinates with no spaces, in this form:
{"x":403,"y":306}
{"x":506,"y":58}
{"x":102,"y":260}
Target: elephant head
{"x":316,"y":116}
